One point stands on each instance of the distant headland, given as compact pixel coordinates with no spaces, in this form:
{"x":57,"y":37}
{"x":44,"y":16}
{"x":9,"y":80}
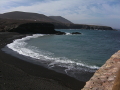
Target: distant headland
{"x":25,"y":20}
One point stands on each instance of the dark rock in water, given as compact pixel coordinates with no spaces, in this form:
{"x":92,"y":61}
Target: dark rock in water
{"x":75,"y":33}
{"x":60,"y":33}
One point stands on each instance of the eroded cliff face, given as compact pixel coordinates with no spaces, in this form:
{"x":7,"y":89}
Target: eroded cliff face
{"x":58,"y":21}
{"x":104,"y":78}
{"x":42,"y":28}
{"x":24,"y":26}
{"x":81,"y":26}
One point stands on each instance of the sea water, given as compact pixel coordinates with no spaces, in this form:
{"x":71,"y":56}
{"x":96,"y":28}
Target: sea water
{"x":77,"y":55}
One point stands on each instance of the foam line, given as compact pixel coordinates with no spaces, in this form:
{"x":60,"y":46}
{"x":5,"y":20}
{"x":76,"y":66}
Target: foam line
{"x":19,"y":46}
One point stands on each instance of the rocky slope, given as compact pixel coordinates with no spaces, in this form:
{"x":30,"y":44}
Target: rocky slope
{"x":81,"y":26}
{"x":58,"y":21}
{"x":26,"y":26}
{"x":18,"y":15}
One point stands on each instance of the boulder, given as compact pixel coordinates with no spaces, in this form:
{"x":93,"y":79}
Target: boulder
{"x":75,"y":33}
{"x":60,"y":33}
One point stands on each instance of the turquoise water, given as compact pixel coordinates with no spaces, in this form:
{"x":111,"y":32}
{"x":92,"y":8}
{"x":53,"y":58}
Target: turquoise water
{"x":91,"y":47}
{"x":75,"y":55}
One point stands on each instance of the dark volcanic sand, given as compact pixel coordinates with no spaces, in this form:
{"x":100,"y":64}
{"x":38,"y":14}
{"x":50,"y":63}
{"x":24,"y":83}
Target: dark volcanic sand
{"x":17,"y":74}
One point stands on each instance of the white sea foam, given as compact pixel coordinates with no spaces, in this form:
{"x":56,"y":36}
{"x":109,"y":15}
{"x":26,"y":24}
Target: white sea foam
{"x":19,"y":46}
{"x":67,"y":33}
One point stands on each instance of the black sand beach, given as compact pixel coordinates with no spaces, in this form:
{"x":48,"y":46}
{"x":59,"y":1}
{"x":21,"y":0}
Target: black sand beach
{"x":17,"y":74}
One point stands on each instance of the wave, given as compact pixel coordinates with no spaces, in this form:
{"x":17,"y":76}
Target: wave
{"x":21,"y":46}
{"x":67,"y":33}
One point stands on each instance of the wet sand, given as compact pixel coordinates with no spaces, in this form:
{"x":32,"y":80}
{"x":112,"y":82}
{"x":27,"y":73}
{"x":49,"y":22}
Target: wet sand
{"x":17,"y":74}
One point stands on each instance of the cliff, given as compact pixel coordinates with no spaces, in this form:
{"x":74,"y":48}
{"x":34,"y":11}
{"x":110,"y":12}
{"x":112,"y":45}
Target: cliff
{"x":81,"y":26}
{"x":106,"y":77}
{"x":58,"y":21}
{"x":26,"y":26}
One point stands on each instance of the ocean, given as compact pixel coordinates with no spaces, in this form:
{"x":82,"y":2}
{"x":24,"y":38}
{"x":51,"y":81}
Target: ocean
{"x":78,"y":56}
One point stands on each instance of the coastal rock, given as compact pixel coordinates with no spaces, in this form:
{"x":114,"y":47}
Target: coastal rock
{"x":24,"y":26}
{"x":81,"y":26}
{"x":43,"y":28}
{"x":75,"y":33}
{"x":58,"y":21}
{"x":60,"y":33}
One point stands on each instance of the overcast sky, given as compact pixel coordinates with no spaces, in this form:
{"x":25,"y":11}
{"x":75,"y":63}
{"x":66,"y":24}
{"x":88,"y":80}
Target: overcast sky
{"x":99,"y":12}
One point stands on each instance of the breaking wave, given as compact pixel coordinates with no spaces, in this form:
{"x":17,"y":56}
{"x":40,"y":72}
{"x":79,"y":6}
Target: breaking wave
{"x":19,"y":46}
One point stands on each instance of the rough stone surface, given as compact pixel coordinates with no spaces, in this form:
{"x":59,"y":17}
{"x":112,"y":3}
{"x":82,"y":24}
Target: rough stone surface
{"x":27,"y":26}
{"x":58,"y":21}
{"x":104,"y":78}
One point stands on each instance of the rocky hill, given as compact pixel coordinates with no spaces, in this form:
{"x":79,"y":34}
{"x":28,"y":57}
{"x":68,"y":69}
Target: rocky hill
{"x":61,"y":19}
{"x":27,"y":26}
{"x":81,"y":26}
{"x":27,"y":16}
{"x":58,"y":21}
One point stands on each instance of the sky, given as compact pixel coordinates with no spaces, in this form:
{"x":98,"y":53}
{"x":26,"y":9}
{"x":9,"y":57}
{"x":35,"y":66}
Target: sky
{"x":97,"y":12}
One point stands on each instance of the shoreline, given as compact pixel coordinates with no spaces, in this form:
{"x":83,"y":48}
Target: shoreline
{"x":107,"y":77}
{"x":58,"y":80}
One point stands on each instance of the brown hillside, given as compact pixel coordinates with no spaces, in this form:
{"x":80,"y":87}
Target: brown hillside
{"x":27,"y":16}
{"x":61,"y":19}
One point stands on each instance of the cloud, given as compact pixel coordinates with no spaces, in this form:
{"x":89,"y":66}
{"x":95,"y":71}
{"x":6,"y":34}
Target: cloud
{"x":78,"y":11}
{"x":62,"y":7}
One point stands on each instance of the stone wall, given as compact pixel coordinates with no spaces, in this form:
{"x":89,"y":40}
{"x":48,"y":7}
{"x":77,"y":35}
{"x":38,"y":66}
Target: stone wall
{"x":104,"y":78}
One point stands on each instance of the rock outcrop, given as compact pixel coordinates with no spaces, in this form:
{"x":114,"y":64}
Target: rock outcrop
{"x":104,"y":78}
{"x":26,"y":26}
{"x":58,"y":21}
{"x":75,"y":33}
{"x":43,"y":28}
{"x":81,"y":26}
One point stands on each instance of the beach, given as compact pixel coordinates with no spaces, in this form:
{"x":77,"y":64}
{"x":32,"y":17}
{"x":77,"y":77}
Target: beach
{"x":17,"y":74}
